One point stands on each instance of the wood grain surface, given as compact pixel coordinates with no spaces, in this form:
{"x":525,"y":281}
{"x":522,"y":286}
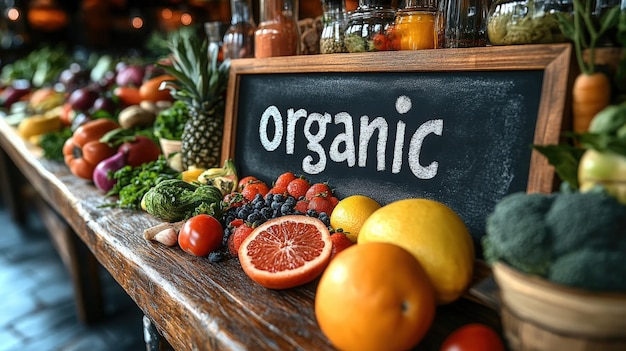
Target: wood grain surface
{"x":195,"y":304}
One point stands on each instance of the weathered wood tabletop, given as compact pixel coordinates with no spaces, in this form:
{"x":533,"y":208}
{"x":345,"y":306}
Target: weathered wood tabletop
{"x":195,"y":304}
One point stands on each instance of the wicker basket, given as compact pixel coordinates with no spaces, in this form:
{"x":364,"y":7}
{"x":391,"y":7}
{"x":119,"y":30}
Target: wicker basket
{"x":538,"y":315}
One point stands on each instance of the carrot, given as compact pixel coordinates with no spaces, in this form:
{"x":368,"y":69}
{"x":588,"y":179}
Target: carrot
{"x":592,"y":89}
{"x":590,"y":94}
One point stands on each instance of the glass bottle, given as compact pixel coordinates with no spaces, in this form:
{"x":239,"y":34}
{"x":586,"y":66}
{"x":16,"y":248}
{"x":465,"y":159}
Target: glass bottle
{"x":369,"y":26}
{"x":415,"y":25}
{"x":462,"y":23}
{"x":278,"y":33}
{"x":213,"y":31}
{"x":239,"y":37}
{"x":334,"y":22}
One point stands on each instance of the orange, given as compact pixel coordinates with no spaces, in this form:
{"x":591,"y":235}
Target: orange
{"x":287,"y":251}
{"x":434,"y":234}
{"x":350,"y":213}
{"x":374,"y":296}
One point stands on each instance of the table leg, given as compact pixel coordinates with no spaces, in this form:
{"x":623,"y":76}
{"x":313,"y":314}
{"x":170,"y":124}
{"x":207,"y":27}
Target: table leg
{"x":82,"y":265}
{"x":154,"y":340}
{"x":11,"y":181}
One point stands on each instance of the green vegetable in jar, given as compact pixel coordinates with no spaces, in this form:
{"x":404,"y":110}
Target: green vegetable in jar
{"x":175,"y":200}
{"x":523,"y":22}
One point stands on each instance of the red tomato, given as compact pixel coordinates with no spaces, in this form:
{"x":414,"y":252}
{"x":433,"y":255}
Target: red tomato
{"x":200,"y":235}
{"x":473,"y":337}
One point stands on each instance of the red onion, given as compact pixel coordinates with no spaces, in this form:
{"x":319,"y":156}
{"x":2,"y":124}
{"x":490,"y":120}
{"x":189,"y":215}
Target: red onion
{"x":101,"y":172}
{"x":131,"y":75}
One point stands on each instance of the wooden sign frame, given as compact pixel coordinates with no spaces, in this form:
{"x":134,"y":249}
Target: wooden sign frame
{"x":553,"y":59}
{"x":515,"y":95}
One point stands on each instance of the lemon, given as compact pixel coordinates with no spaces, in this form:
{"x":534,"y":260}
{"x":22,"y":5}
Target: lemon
{"x":434,"y":234}
{"x":350,"y":213}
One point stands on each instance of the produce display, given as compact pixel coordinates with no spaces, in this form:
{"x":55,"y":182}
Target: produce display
{"x":381,"y":271}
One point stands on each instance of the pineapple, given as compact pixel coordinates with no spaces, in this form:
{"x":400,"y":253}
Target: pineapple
{"x":201,"y":84}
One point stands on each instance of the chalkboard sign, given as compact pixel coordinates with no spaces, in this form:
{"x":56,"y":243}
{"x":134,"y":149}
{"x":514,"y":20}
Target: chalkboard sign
{"x":453,"y":125}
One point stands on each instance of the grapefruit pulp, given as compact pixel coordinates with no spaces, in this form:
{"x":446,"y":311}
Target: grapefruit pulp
{"x":287,"y":251}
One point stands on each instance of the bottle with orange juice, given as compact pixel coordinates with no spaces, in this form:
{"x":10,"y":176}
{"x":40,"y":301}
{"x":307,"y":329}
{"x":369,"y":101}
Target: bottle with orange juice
{"x":415,"y":25}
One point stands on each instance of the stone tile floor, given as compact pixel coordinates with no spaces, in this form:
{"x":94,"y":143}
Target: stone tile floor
{"x":37,"y":309}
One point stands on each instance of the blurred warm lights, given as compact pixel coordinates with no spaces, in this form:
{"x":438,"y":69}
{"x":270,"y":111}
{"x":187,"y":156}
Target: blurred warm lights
{"x":137,"y":22}
{"x":171,"y":19}
{"x":13,"y":14}
{"x":185,"y":19}
{"x":166,"y":14}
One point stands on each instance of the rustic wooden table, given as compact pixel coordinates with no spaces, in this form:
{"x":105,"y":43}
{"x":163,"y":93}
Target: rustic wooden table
{"x":195,"y":304}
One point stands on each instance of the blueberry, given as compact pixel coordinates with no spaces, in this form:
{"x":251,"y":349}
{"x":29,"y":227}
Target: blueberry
{"x":275,"y":205}
{"x":291,"y":200}
{"x":243,"y":213}
{"x":266,"y":212}
{"x":258,"y":198}
{"x":311,"y":213}
{"x":279,"y":198}
{"x":285,"y":209}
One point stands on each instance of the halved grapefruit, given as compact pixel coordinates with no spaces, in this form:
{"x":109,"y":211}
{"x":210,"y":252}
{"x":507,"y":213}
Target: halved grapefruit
{"x":287,"y":251}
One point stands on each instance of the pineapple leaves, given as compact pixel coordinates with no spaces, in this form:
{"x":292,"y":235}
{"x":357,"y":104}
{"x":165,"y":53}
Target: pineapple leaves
{"x":200,"y":79}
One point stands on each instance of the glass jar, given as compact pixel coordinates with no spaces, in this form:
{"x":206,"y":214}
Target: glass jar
{"x":239,"y":37}
{"x":334,"y":22}
{"x":526,"y":21}
{"x":370,"y":26}
{"x":278,"y":33}
{"x":462,"y":23}
{"x":415,"y":25}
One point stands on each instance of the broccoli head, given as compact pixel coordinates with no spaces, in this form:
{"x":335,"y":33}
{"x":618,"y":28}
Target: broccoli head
{"x":592,"y":270}
{"x":517,"y":233}
{"x":591,"y":220}
{"x":576,"y":239}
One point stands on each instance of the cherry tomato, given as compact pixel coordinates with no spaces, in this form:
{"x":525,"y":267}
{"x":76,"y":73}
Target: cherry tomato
{"x":200,"y":235}
{"x":473,"y":337}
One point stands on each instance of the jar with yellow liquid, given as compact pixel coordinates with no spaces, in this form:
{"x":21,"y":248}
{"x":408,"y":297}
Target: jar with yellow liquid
{"x":415,"y":25}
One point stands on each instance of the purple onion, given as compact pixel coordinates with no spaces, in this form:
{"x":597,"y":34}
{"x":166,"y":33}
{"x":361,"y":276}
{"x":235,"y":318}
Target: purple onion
{"x":101,"y":172}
